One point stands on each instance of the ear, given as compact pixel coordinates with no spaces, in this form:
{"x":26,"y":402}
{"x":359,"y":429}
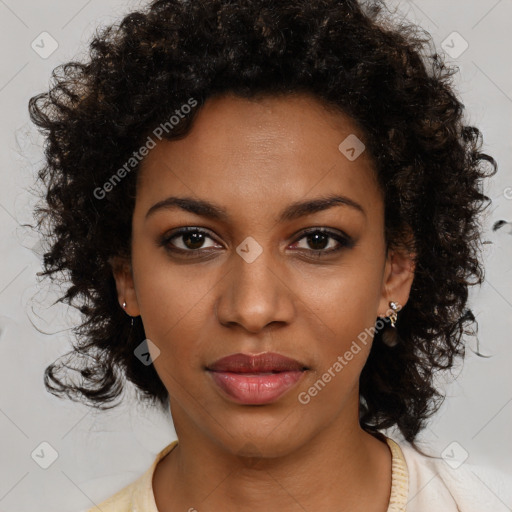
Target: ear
{"x":397,"y":280}
{"x":122,"y":272}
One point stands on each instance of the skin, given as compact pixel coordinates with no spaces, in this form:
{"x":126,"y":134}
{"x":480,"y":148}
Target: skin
{"x":254,"y":158}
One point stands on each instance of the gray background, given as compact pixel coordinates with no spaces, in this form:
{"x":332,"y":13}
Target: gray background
{"x":98,"y":453}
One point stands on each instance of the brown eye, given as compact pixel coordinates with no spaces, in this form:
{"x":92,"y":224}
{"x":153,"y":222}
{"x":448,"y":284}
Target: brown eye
{"x":187,"y":240}
{"x":193,"y":240}
{"x":317,"y":241}
{"x":321,"y":242}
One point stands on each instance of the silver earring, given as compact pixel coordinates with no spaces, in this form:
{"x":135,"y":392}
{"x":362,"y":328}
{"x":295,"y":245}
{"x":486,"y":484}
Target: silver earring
{"x":124,"y":307}
{"x":390,"y":333}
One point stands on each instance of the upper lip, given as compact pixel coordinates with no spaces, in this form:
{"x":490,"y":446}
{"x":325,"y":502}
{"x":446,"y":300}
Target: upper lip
{"x":254,"y":363}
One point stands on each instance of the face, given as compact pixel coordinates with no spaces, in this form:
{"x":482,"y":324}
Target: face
{"x":288,"y":257}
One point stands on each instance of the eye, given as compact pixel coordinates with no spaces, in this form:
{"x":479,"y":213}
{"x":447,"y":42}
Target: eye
{"x":320,"y":241}
{"x":188,"y":239}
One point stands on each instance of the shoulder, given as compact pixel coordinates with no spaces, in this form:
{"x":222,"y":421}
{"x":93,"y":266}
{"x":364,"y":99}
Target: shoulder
{"x":137,"y":496}
{"x":439,"y":484}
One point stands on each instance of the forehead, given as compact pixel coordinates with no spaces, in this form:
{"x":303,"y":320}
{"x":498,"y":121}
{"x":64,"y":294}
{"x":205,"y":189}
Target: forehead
{"x":259,"y":151}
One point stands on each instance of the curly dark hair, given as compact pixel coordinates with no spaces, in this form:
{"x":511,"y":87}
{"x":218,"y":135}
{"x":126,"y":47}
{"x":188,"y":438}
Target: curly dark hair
{"x":354,"y":57}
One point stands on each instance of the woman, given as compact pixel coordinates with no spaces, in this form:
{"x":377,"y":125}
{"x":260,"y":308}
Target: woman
{"x":268,"y":212}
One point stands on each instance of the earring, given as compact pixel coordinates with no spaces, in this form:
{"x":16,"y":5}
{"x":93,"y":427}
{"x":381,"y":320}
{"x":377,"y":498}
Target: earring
{"x":124,"y":307}
{"x":390,"y":333}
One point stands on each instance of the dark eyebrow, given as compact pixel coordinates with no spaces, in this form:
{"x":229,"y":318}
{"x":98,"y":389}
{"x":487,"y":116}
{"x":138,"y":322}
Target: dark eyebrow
{"x":302,"y":208}
{"x":291,"y":212}
{"x":197,"y":206}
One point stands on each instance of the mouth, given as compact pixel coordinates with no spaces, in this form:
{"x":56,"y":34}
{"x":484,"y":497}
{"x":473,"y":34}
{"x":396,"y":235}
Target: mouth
{"x":256,"y":379}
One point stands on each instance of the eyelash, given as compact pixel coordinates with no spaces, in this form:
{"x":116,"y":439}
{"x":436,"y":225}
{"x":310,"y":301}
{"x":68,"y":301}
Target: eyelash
{"x":345,"y":241}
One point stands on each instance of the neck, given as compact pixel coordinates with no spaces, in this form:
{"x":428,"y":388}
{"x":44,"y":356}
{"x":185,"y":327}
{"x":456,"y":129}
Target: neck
{"x":341,"y":468}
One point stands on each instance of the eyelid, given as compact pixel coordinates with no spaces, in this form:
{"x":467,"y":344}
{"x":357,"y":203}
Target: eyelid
{"x":326,"y":231}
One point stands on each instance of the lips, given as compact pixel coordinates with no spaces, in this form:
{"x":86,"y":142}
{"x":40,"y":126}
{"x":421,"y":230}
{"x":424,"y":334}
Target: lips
{"x":256,"y":379}
{"x":259,"y":363}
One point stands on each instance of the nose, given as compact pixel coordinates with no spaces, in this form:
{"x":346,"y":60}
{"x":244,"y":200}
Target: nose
{"x":255,"y":294}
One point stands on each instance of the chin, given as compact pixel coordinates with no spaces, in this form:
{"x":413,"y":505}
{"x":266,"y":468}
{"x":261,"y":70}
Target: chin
{"x":260,"y":440}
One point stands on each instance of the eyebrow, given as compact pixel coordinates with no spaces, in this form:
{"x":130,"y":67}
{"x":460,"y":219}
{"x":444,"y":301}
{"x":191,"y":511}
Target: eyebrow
{"x":293,"y":211}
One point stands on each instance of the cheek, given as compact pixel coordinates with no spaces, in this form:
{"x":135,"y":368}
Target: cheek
{"x":171,"y":297}
{"x":342,"y":339}
{"x":173,"y":307}
{"x":339,"y":312}
{"x":344,"y":300}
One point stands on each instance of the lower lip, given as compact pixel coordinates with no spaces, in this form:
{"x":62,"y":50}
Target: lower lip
{"x":262,"y":388}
